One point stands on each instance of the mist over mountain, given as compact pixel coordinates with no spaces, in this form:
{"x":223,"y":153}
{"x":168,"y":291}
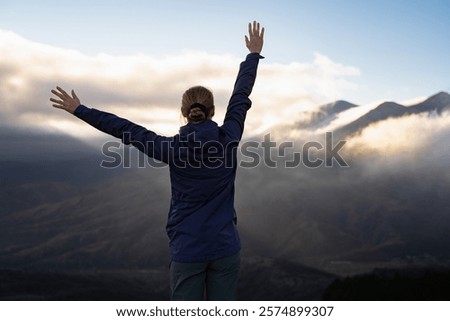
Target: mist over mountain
{"x":438,"y":103}
{"x":62,"y":213}
{"x":435,"y":104}
{"x":324,"y":114}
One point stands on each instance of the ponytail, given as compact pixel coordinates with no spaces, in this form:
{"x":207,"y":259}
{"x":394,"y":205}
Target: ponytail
{"x":197,"y":104}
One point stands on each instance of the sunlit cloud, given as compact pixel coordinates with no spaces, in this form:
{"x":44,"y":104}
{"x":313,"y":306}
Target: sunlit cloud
{"x":413,"y":101}
{"x":147,"y":89}
{"x":412,"y":144}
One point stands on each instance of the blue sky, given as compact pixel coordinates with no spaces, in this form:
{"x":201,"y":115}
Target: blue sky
{"x":400,"y":47}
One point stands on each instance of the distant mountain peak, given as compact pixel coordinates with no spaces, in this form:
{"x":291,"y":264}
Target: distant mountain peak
{"x":441,"y":94}
{"x":337,"y":106}
{"x":388,"y":106}
{"x":324,"y":114}
{"x":437,"y":102}
{"x":440,"y":98}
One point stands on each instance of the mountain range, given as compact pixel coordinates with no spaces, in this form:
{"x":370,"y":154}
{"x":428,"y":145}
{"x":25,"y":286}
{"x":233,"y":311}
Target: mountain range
{"x":435,"y":104}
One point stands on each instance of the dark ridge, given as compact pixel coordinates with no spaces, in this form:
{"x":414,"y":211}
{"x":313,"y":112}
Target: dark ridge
{"x":418,"y":284}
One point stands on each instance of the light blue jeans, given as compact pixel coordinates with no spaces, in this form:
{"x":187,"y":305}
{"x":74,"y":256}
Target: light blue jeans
{"x":214,"y":280}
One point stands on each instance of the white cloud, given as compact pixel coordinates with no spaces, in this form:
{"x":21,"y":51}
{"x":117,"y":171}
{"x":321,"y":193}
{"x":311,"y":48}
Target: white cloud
{"x":148,"y":89}
{"x":414,"y":143}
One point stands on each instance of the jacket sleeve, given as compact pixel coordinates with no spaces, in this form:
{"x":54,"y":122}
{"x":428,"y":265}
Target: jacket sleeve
{"x":239,"y":102}
{"x":145,"y":140}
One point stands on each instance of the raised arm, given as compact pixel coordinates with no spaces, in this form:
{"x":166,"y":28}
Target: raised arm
{"x":146,"y":141}
{"x":239,"y":102}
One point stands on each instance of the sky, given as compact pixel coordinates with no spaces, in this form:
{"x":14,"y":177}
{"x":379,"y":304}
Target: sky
{"x":143,"y":54}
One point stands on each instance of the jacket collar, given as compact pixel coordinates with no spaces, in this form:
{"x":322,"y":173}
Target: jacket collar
{"x":204,"y":126}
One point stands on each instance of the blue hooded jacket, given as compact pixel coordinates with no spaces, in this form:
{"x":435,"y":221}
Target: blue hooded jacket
{"x":202,"y":160}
